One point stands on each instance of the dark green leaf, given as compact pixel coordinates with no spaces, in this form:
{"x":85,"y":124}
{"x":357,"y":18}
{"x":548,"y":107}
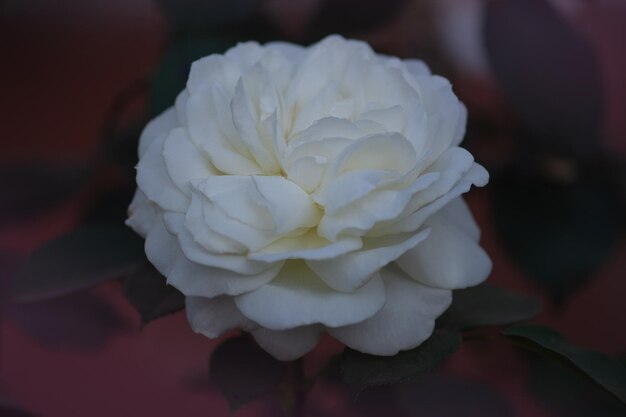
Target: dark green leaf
{"x":485,"y":305}
{"x":243,"y":371}
{"x":29,"y":189}
{"x":171,"y":75}
{"x":547,"y":226}
{"x":569,"y":394}
{"x":353,"y":16}
{"x":603,"y":370}
{"x":443,"y":395}
{"x":361,"y":370}
{"x":203,"y":15}
{"x":549,"y":72}
{"x":77,"y":260}
{"x":148,"y":292}
{"x":82,"y":320}
{"x":8,"y":410}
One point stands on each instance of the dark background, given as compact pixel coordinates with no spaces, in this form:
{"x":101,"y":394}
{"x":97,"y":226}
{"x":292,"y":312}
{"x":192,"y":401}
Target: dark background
{"x":545,"y":87}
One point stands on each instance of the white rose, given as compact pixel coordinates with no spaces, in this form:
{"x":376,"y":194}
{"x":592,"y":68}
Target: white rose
{"x":292,"y":191}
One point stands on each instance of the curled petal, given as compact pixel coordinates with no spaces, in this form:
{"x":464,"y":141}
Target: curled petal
{"x":348,"y":272}
{"x":155,"y":182}
{"x":212,"y":317}
{"x":449,"y":258}
{"x":141,"y":214}
{"x":287,"y":345}
{"x":406,"y":320}
{"x":297,"y":297}
{"x":194,"y":279}
{"x":307,"y":246}
{"x":184,"y":161}
{"x":161,"y":124}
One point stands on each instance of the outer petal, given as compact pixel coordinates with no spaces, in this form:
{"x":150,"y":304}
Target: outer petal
{"x":406,"y":320}
{"x":161,"y":124}
{"x":477,"y":176}
{"x":297,"y":297}
{"x":162,"y":248}
{"x":141,"y":214}
{"x":155,"y":182}
{"x":184,"y":161}
{"x":197,"y":254}
{"x":458,"y":213}
{"x":306,"y":246}
{"x":200,"y":280}
{"x":449,"y":258}
{"x":287,"y":345}
{"x":348,"y":272}
{"x":213,"y":317}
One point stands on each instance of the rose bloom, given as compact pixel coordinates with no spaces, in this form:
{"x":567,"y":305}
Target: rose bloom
{"x":292,"y":191}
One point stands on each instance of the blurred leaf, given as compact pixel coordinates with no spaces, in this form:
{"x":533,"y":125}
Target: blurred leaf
{"x":438,"y":395}
{"x":548,"y":71}
{"x":559,"y":232}
{"x":77,"y":260}
{"x":570,"y":395}
{"x":81,"y":320}
{"x":205,"y":15}
{"x":353,"y":16}
{"x":603,"y":370}
{"x":148,"y":292}
{"x":485,"y":305}
{"x":171,"y":75}
{"x":361,"y":370}
{"x":9,"y":410}
{"x":111,"y":207}
{"x":243,"y":371}
{"x":30,"y":189}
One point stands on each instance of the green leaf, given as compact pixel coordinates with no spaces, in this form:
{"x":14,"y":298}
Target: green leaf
{"x":568,"y":394}
{"x":171,"y":75}
{"x":148,"y":292}
{"x":243,"y":371}
{"x":485,"y":305}
{"x":603,"y":370}
{"x":29,"y":189}
{"x":77,"y":260}
{"x":544,"y":224}
{"x":361,"y":370}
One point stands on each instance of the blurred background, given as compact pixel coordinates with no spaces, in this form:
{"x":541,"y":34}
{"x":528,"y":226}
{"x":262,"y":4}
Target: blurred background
{"x":544,"y":84}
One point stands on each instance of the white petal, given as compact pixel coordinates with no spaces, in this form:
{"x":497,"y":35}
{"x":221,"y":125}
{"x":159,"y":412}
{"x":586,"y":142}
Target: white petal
{"x":378,"y":206}
{"x":348,"y":272}
{"x":287,"y":345}
{"x":211,"y":129}
{"x":307,"y":172}
{"x":155,"y":182}
{"x":306,"y":246}
{"x":477,"y":176}
{"x":212,"y":241}
{"x":197,"y":254}
{"x":297,"y":297}
{"x":406,"y":320}
{"x":141,"y":214}
{"x":212,"y":317}
{"x":390,"y":151}
{"x":199,"y":280}
{"x":245,"y":120}
{"x":458,"y":213}
{"x":291,"y":207}
{"x":184,"y":161}
{"x":351,"y":186}
{"x":449,"y":258}
{"x":161,"y":124}
{"x":162,"y":248}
